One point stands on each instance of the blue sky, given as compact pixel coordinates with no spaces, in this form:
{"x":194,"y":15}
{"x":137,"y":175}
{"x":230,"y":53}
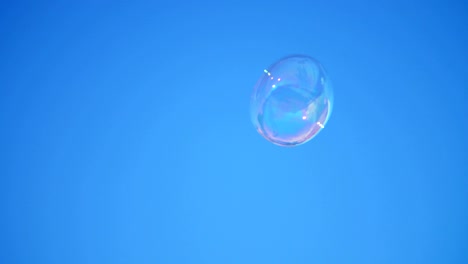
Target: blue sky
{"x":126,"y":138}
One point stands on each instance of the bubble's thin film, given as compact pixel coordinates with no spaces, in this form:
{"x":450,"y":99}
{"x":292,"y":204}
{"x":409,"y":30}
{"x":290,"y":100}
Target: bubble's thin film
{"x":292,"y":101}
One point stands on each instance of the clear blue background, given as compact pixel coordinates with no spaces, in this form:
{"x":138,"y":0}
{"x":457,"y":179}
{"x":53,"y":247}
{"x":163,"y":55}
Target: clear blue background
{"x":125,"y":133}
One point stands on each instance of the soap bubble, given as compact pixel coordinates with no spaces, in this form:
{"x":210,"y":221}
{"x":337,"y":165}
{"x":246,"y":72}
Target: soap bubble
{"x":292,"y":101}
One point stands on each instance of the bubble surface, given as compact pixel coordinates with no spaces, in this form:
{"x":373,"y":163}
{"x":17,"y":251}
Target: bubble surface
{"x":292,"y":101}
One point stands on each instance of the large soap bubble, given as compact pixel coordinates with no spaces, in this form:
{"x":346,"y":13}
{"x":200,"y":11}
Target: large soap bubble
{"x":292,"y":101}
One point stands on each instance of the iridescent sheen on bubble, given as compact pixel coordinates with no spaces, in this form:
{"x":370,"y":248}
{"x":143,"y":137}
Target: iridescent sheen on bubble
{"x":292,"y":101}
